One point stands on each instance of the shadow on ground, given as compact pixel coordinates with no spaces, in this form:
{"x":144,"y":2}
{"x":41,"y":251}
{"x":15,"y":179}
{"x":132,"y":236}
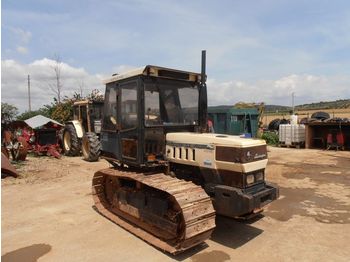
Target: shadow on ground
{"x":30,"y":254}
{"x":229,"y":232}
{"x":235,"y":233}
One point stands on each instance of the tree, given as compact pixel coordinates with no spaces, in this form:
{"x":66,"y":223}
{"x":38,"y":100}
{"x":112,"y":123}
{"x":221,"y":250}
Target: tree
{"x":95,"y":95}
{"x":81,"y":86}
{"x":64,"y":110}
{"x":46,"y":110}
{"x":61,"y":111}
{"x":57,"y":86}
{"x":8,"y":112}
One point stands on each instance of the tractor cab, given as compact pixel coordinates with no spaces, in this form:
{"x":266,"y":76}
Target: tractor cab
{"x":89,"y":114}
{"x":142,"y":106}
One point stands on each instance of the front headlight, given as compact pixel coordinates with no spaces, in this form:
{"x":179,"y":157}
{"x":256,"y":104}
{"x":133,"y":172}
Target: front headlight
{"x":250,"y":179}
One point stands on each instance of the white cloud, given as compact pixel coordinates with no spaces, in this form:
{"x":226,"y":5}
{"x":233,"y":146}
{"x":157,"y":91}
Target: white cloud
{"x":14,"y":88}
{"x":307,"y":87}
{"x":122,"y":68}
{"x":22,"y":35}
{"x":19,"y":38}
{"x":22,"y":50}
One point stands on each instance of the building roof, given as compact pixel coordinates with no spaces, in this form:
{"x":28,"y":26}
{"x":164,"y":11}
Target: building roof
{"x":232,"y":110}
{"x":39,"y":120}
{"x":85,"y":102}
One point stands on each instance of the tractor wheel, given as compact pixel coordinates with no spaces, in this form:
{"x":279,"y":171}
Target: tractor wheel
{"x":91,"y":147}
{"x":274,"y":124}
{"x":320,"y":115}
{"x":71,"y":143}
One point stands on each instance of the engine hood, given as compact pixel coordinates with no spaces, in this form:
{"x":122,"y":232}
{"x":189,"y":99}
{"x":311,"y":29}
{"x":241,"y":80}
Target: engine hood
{"x":211,"y":139}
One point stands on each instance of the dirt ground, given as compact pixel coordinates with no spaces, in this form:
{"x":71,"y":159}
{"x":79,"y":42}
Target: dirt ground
{"x":48,"y":215}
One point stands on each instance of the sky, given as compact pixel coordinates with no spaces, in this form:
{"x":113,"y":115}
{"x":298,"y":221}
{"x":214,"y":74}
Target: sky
{"x":257,"y":51}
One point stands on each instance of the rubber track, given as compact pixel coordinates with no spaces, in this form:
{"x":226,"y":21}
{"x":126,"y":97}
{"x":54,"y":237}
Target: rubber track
{"x":196,"y":206}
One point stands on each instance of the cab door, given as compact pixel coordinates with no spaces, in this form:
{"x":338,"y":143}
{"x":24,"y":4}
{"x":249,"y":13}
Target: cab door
{"x":129,"y":132}
{"x":84,"y":117}
{"x":110,"y":141}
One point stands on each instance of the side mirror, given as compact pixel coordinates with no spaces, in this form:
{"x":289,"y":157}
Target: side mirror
{"x":114,"y":122}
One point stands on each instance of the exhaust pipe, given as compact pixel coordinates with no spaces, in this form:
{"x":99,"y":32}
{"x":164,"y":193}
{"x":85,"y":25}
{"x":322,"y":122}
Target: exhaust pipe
{"x":203,"y":76}
{"x":203,"y":100}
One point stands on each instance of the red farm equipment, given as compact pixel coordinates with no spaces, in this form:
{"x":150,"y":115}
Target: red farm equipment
{"x":38,"y":134}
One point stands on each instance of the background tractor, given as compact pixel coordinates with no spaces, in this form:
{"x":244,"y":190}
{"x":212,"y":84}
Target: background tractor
{"x":82,"y":133}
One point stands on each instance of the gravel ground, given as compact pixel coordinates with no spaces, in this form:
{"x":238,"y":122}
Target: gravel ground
{"x":48,"y":215}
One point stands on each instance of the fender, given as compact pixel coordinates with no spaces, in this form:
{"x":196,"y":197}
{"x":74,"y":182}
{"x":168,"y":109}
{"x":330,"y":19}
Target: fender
{"x":78,"y":127}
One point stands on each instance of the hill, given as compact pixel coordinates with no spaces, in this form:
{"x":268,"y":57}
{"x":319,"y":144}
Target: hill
{"x":342,"y":103}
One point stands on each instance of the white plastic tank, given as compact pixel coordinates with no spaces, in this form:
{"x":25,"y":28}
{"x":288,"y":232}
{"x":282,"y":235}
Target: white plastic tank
{"x":289,"y":134}
{"x":294,"y":119}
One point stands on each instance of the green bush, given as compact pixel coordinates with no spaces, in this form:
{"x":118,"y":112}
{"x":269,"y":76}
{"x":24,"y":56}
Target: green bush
{"x":271,"y":138}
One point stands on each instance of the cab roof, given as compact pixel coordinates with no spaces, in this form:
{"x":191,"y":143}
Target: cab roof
{"x":150,"y":70}
{"x":85,"y":102}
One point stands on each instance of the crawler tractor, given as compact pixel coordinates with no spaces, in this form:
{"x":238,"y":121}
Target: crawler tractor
{"x":82,"y":133}
{"x":169,"y":177}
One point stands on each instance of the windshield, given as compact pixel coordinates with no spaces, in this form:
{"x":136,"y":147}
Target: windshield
{"x":96,"y":111}
{"x":170,"y":102}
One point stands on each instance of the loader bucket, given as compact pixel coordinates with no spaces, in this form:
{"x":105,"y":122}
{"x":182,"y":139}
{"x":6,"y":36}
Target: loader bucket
{"x":6,"y":168}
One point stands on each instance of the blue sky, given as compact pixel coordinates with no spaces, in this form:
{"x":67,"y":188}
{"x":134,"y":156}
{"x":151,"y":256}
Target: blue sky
{"x":256,"y":50}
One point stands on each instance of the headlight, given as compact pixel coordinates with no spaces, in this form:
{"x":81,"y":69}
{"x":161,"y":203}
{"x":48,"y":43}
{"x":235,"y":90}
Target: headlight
{"x":250,"y":179}
{"x":259,"y":176}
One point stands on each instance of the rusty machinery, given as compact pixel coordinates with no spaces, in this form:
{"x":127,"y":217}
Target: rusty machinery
{"x":82,"y":133}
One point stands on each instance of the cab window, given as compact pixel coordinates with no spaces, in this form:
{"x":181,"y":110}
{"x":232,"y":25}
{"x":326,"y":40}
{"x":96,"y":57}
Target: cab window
{"x":129,"y":117}
{"x":110,"y":116}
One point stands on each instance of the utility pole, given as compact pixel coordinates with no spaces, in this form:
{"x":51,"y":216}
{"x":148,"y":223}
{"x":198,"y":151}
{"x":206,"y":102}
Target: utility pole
{"x":30,"y":106}
{"x":293,"y":102}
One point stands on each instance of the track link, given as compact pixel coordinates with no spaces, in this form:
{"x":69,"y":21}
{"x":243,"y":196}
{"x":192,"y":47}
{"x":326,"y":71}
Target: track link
{"x":195,"y":215}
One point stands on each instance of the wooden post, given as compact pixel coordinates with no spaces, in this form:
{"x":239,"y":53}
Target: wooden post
{"x":30,"y":106}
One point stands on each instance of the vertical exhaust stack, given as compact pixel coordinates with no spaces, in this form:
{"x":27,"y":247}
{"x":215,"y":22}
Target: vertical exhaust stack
{"x":203,"y":76}
{"x":203,"y":100}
